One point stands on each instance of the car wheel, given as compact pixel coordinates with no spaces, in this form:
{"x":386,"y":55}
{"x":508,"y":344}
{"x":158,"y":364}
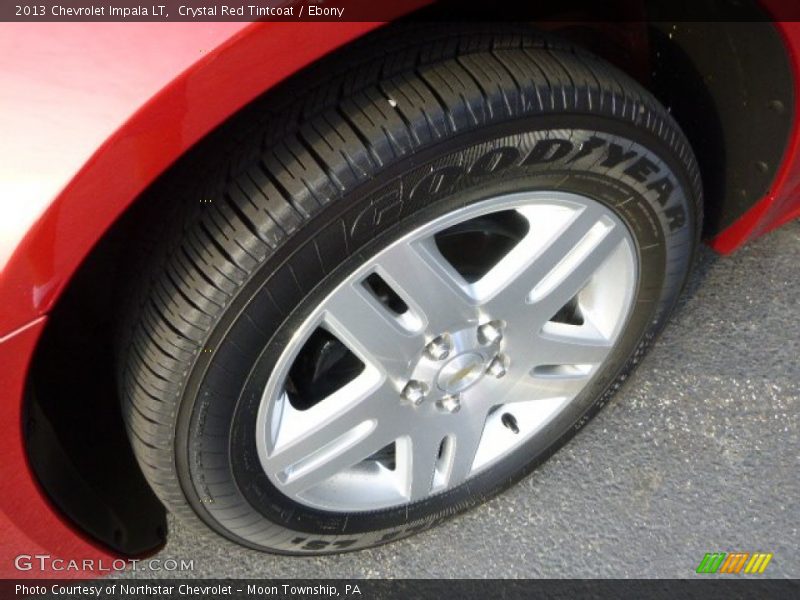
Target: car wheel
{"x":409,"y":294}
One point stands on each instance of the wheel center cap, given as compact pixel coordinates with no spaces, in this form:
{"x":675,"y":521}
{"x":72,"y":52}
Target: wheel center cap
{"x":460,"y":372}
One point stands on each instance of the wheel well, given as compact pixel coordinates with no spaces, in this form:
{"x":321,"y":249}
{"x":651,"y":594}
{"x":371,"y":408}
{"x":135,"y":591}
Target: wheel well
{"x":736,"y":115}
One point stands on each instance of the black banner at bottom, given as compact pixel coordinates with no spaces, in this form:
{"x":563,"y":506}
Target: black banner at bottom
{"x":368,"y":589}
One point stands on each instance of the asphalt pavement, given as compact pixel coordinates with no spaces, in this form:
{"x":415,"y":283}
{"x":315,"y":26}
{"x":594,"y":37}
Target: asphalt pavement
{"x":698,"y":452}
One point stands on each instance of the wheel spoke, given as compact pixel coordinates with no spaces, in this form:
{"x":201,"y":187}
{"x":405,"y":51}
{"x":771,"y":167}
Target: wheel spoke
{"x":564,"y":385}
{"x":570,"y":351}
{"x":572,"y":275}
{"x":424,"y":451}
{"x":333,"y":463}
{"x":370,"y":330}
{"x":561,"y":344}
{"x":554,"y":349}
{"x":556,"y":382}
{"x":336,"y":439}
{"x":424,"y":278}
{"x":467,"y":438}
{"x":552,"y":276}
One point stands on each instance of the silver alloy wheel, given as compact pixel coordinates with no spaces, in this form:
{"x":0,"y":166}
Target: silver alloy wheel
{"x":467,"y":372}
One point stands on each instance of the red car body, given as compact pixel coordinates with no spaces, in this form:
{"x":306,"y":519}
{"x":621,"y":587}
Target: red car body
{"x":92,"y":114}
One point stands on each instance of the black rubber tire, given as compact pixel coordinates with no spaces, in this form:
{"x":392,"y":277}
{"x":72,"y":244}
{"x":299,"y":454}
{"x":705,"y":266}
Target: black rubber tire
{"x":394,"y":132}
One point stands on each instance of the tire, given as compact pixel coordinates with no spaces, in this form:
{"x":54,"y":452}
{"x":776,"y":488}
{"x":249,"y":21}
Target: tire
{"x":406,"y":130}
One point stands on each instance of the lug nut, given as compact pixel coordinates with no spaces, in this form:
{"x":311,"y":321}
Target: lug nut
{"x":497,"y":367}
{"x":439,"y":347}
{"x":450,"y":404}
{"x":490,"y":333}
{"x":414,"y":391}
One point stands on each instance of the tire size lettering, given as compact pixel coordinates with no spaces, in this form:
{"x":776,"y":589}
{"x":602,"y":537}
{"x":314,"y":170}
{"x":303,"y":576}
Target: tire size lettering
{"x":309,"y":544}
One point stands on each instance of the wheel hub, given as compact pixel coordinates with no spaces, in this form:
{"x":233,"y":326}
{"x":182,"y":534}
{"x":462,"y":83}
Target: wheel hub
{"x":454,"y":362}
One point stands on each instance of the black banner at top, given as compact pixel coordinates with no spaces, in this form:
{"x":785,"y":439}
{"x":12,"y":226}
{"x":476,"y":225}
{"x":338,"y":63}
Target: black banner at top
{"x":388,"y":10}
